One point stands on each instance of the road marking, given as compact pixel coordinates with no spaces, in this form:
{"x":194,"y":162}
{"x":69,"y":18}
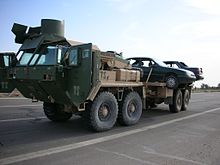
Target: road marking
{"x":174,"y":157}
{"x":55,"y":150}
{"x":17,"y":106}
{"x":127,"y":156}
{"x":22,"y":119}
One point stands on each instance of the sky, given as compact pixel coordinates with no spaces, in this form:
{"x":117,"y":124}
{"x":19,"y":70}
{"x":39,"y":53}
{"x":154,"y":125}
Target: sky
{"x":183,"y":30}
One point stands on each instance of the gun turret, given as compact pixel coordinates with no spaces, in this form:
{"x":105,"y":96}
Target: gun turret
{"x":50,"y":30}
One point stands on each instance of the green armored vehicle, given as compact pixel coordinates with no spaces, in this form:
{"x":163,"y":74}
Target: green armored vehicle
{"x":6,"y":59}
{"x":76,"y":78}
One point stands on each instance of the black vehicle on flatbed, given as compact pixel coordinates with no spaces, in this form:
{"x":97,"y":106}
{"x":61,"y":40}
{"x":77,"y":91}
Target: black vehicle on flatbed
{"x":176,"y":64}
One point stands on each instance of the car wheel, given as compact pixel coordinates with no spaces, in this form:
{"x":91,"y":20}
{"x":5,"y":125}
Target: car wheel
{"x":171,"y":82}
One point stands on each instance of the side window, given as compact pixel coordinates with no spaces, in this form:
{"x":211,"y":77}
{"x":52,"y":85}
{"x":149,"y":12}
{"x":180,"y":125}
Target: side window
{"x":73,"y":57}
{"x":133,"y":62}
{"x":145,"y":63}
{"x":173,"y":66}
{"x":85,"y":53}
{"x":6,"y":60}
{"x":148,"y":63}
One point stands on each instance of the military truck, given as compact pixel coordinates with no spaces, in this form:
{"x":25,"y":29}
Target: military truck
{"x":72,"y":77}
{"x":6,"y":59}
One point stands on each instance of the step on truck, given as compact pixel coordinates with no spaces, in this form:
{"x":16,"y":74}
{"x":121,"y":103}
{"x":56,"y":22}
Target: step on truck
{"x":71,"y":77}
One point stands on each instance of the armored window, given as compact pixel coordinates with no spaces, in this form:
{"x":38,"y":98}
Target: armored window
{"x":25,"y":58}
{"x":86,"y":53}
{"x":61,"y":53}
{"x":34,"y":59}
{"x":48,"y":56}
{"x":6,"y":60}
{"x":73,"y":57}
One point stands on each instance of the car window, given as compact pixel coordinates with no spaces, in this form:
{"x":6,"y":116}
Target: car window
{"x":148,"y":63}
{"x":173,"y":65}
{"x":134,"y":62}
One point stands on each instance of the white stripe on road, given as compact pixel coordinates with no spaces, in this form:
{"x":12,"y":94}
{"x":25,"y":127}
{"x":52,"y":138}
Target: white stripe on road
{"x":17,"y":106}
{"x":22,"y":119}
{"x":55,"y":150}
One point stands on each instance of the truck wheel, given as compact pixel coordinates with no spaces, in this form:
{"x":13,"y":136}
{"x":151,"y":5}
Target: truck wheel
{"x":177,"y":101}
{"x":130,"y":109}
{"x":103,"y":112}
{"x":55,"y":113}
{"x":171,"y":82}
{"x":186,"y":97}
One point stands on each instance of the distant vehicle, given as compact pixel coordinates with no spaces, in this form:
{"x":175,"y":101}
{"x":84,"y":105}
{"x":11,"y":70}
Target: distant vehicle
{"x":6,"y":59}
{"x":160,"y":72}
{"x":176,"y":64}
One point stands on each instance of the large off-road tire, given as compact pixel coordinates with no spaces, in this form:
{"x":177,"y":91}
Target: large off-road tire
{"x":171,"y":82}
{"x":55,"y":112}
{"x":186,"y":97}
{"x":102,"y":112}
{"x":130,"y":109}
{"x":177,"y":101}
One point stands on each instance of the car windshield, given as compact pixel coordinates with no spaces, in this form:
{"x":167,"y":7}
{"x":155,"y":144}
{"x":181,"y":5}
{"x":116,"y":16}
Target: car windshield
{"x":183,"y":64}
{"x":159,"y":62}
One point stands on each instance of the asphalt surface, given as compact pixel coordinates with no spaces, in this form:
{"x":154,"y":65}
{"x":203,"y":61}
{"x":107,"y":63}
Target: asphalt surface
{"x":160,"y":138}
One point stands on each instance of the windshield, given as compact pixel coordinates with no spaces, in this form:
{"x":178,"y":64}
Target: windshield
{"x":183,"y":64}
{"x":47,"y":55}
{"x":161,"y":63}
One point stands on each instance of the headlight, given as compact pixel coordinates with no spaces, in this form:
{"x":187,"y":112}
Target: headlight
{"x":190,"y":74}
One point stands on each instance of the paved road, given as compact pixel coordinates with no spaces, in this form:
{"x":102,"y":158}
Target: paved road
{"x":160,"y":138}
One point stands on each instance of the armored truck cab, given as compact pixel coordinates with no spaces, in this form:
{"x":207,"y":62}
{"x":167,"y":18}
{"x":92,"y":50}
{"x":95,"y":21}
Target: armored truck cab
{"x":50,"y":68}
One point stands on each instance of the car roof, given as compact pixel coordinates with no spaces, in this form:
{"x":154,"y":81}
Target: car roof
{"x":171,"y":61}
{"x":137,"y":58}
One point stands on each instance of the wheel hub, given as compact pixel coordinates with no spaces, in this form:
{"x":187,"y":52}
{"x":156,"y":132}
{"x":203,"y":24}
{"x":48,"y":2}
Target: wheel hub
{"x":171,"y":82}
{"x":103,"y":112}
{"x":131,"y":109}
